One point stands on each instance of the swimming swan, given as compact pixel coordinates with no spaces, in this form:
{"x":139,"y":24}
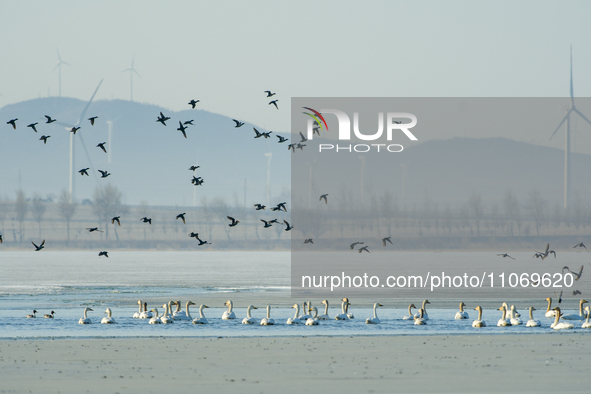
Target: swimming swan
{"x":165,"y":319}
{"x":425,"y":315}
{"x":410,"y":315}
{"x":479,"y":322}
{"x":85,"y":319}
{"x":249,"y":319}
{"x":267,"y":321}
{"x":503,"y":322}
{"x":420,"y":320}
{"x":580,"y":316}
{"x":461,"y":314}
{"x":515,"y":321}
{"x":228,"y":315}
{"x":155,"y":319}
{"x":313,"y":321}
{"x":305,"y":315}
{"x":295,"y":319}
{"x":517,"y":314}
{"x":325,"y":315}
{"x":550,"y":312}
{"x":108,"y":319}
{"x":587,"y":323}
{"x":137,"y":314}
{"x":562,"y":325}
{"x":343,"y":315}
{"x":180,"y":315}
{"x":145,"y":314}
{"x":374,"y":319}
{"x":532,"y":322}
{"x":201,"y":319}
{"x":349,"y":315}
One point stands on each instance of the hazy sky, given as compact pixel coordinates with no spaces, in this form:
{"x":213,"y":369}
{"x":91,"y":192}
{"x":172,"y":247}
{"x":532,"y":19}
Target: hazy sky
{"x":227,"y":53}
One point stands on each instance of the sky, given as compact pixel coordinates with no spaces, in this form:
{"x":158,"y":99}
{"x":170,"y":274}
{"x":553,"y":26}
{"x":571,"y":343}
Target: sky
{"x":227,"y":53}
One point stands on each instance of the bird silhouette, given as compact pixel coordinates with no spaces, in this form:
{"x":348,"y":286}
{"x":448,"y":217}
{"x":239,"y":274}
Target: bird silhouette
{"x":193,"y":168}
{"x":275,"y":209}
{"x":258,"y":135}
{"x":146,"y":220}
{"x":12,"y":122}
{"x":325,"y":198}
{"x":559,"y":296}
{"x":202,"y":242}
{"x":304,"y":139}
{"x":363,"y":249}
{"x":274,"y":102}
{"x":267,"y":224}
{"x":44,"y":138}
{"x":300,"y":146}
{"x":116,"y":219}
{"x":1,"y":240}
{"x":267,"y":135}
{"x":308,"y":241}
{"x":104,"y":174}
{"x":352,"y":246}
{"x":387,"y":239}
{"x":292,"y":147}
{"x":92,"y":123}
{"x":181,"y":216}
{"x":182,"y":129}
{"x":102,"y":146}
{"x":577,"y":275}
{"x":234,"y":221}
{"x":194,"y":235}
{"x":84,"y":171}
{"x":238,"y":123}
{"x":74,"y":130}
{"x":576,"y":292}
{"x":92,"y":229}
{"x":269,"y":94}
{"x":104,"y":253}
{"x":38,"y":247}
{"x":289,"y":227}
{"x":548,"y":251}
{"x":197,"y":181}
{"x":32,"y":125}
{"x":259,"y":206}
{"x":281,"y":139}
{"x":49,"y":120}
{"x":282,"y":206}
{"x":162,"y":119}
{"x":581,"y":245}
{"x":188,"y":122}
{"x":505,"y":255}
{"x":193,"y":102}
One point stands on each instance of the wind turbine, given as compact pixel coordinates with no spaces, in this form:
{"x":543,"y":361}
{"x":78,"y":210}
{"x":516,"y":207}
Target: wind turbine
{"x":131,"y":71}
{"x":269,"y":155}
{"x":566,"y":121}
{"x":59,"y":68}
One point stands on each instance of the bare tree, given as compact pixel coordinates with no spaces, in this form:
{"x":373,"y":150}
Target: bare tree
{"x":219,"y":209}
{"x":476,"y":208}
{"x":106,"y":204}
{"x":21,"y":208}
{"x":536,"y":205}
{"x":66,"y":209}
{"x":38,"y":210}
{"x":511,"y":211}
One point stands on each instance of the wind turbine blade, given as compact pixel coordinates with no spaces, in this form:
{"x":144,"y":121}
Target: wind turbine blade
{"x":56,"y":66}
{"x":66,"y":63}
{"x":561,"y":122}
{"x":68,"y":126}
{"x":572,"y":97}
{"x":581,"y":115}
{"x":136,"y":73}
{"x":126,"y":70}
{"x":89,"y":102}
{"x":58,"y":55}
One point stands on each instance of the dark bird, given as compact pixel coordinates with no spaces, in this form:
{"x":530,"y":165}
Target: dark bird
{"x":194,"y":235}
{"x":74,"y":130}
{"x":352,"y":246}
{"x":202,"y":242}
{"x":387,"y":239}
{"x":104,"y":174}
{"x":188,"y":122}
{"x":181,"y":216}
{"x":267,"y":135}
{"x":32,"y":125}
{"x":193,"y":168}
{"x":292,"y":147}
{"x":360,"y":250}
{"x":269,"y":94}
{"x":12,"y":122}
{"x":308,"y":241}
{"x":274,"y":221}
{"x":102,"y":146}
{"x":281,"y":139}
{"x":274,"y":102}
{"x":559,"y":296}
{"x":49,"y":120}
{"x":234,"y":221}
{"x":197,"y":181}
{"x":91,"y":229}
{"x":282,"y":206}
{"x":259,"y":206}
{"x":289,"y":227}
{"x":38,"y":248}
{"x":258,"y":135}
{"x":581,"y":245}
{"x":325,"y":199}
{"x":104,"y":253}
{"x":505,"y":255}
{"x":84,"y":171}
{"x":577,"y":275}
{"x":576,"y":292}
{"x":162,"y":119}
{"x":92,"y":120}
{"x":316,"y":130}
{"x":238,"y":123}
{"x":193,"y":102}
{"x":146,"y":220}
{"x":538,"y":255}
{"x":300,"y":146}
{"x":44,"y":138}
{"x":1,"y":240}
{"x":276,"y":209}
{"x":116,"y":219}
{"x":49,"y":316}
{"x":304,"y":139}
{"x":182,"y":129}
{"x":267,"y":224}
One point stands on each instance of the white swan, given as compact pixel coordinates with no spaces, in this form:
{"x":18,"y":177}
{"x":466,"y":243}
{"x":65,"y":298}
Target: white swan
{"x":562,"y":325}
{"x":155,"y":319}
{"x":108,"y":319}
{"x":137,"y":314}
{"x":587,"y":323}
{"x":580,"y":316}
{"x":325,"y":315}
{"x":515,"y":321}
{"x":420,"y":320}
{"x":229,"y":315}
{"x":145,"y":314}
{"x":295,"y":319}
{"x":349,"y":315}
{"x":85,"y":319}
{"x":249,"y":319}
{"x":479,"y":322}
{"x":550,"y":312}
{"x":374,"y":319}
{"x":343,"y":315}
{"x":165,"y":319}
{"x":503,"y":322}
{"x":410,"y":315}
{"x":267,"y":321}
{"x":313,"y":321}
{"x":532,"y":322}
{"x":461,"y":314}
{"x":180,"y":315}
{"x":423,"y":307}
{"x":517,"y":314}
{"x":305,"y":315}
{"x":201,"y":319}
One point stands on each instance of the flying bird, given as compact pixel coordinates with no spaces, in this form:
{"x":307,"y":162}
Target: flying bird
{"x":274,"y":102}
{"x":84,"y":171}
{"x":559,"y":296}
{"x":12,"y":122}
{"x":269,"y":94}
{"x":267,"y":135}
{"x":282,"y":206}
{"x":197,"y":181}
{"x":289,"y":227}
{"x":104,"y":174}
{"x":91,"y":229}
{"x":1,"y":240}
{"x":234,"y":221}
{"x":49,"y":120}
{"x":387,"y":239}
{"x":116,"y":219}
{"x":274,"y":209}
{"x":39,"y":247}
{"x":162,"y":119}
{"x":32,"y":125}
{"x":304,"y":139}
{"x":267,"y":224}
{"x":194,"y":235}
{"x":44,"y":138}
{"x":182,"y":129}
{"x":581,"y":245}
{"x":308,"y":241}
{"x":188,"y":122}
{"x":576,"y":275}
{"x":181,"y":216}
{"x":538,"y":255}
{"x":259,"y":206}
{"x":92,"y":123}
{"x":102,"y":146}
{"x":202,"y":242}
{"x":360,"y":250}
{"x":505,"y":255}
{"x":193,"y":168}
{"x":548,"y":251}
{"x":292,"y":147}
{"x":352,"y":246}
{"x":193,"y":102}
{"x":325,"y":199}
{"x":104,"y":253}
{"x":74,"y":130}
{"x":238,"y":123}
{"x":281,"y":139}
{"x":146,"y":220}
{"x":300,"y":146}
{"x":576,"y":292}
{"x":258,"y":135}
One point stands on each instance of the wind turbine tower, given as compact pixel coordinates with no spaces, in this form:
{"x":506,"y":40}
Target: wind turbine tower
{"x":269,"y":155}
{"x":131,"y":71}
{"x":59,"y":68}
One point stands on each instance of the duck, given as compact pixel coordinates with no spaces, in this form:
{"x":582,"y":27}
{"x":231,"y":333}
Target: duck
{"x":374,"y":319}
{"x":349,"y":315}
{"x":325,"y":315}
{"x":180,"y":315}
{"x":560,"y":325}
{"x":306,"y":307}
{"x":295,"y":319}
{"x":228,"y":315}
{"x":50,"y":316}
{"x":531,"y":322}
{"x":155,"y":319}
{"x":34,"y":315}
{"x":313,"y":321}
{"x":515,"y":321}
{"x":109,"y":319}
{"x":343,"y":315}
{"x":580,"y":316}
{"x":165,"y":319}
{"x":462,"y":314}
{"x":425,"y":315}
{"x":503,"y":322}
{"x":587,"y":323}
{"x":249,"y":319}
{"x":145,"y":314}
{"x":410,"y":316}
{"x":137,"y":314}
{"x":267,"y":321}
{"x":420,"y":320}
{"x":550,"y":312}
{"x":201,"y":319}
{"x":85,"y":319}
{"x":479,"y":322}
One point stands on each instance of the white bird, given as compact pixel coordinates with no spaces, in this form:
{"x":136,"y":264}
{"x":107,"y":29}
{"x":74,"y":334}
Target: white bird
{"x":410,"y":316}
{"x":587,"y":323}
{"x":228,"y":315}
{"x":515,"y":321}
{"x":155,"y":319}
{"x":550,"y":312}
{"x":580,"y":316}
{"x":325,"y":315}
{"x":145,"y":314}
{"x":420,"y":320}
{"x":85,"y":319}
{"x":165,"y":319}
{"x":503,"y":322}
{"x":349,"y":315}
{"x":562,"y":325}
{"x":462,"y":314}
{"x":305,"y":315}
{"x":313,"y":321}
{"x":479,"y":322}
{"x":343,"y":315}
{"x":201,"y":319}
{"x":374,"y":319}
{"x":517,"y":314}
{"x":295,"y":319}
{"x":532,"y":322}
{"x":109,"y":319}
{"x":249,"y":319}
{"x":423,"y":307}
{"x":137,"y":314}
{"x":180,"y":315}
{"x":267,"y":321}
